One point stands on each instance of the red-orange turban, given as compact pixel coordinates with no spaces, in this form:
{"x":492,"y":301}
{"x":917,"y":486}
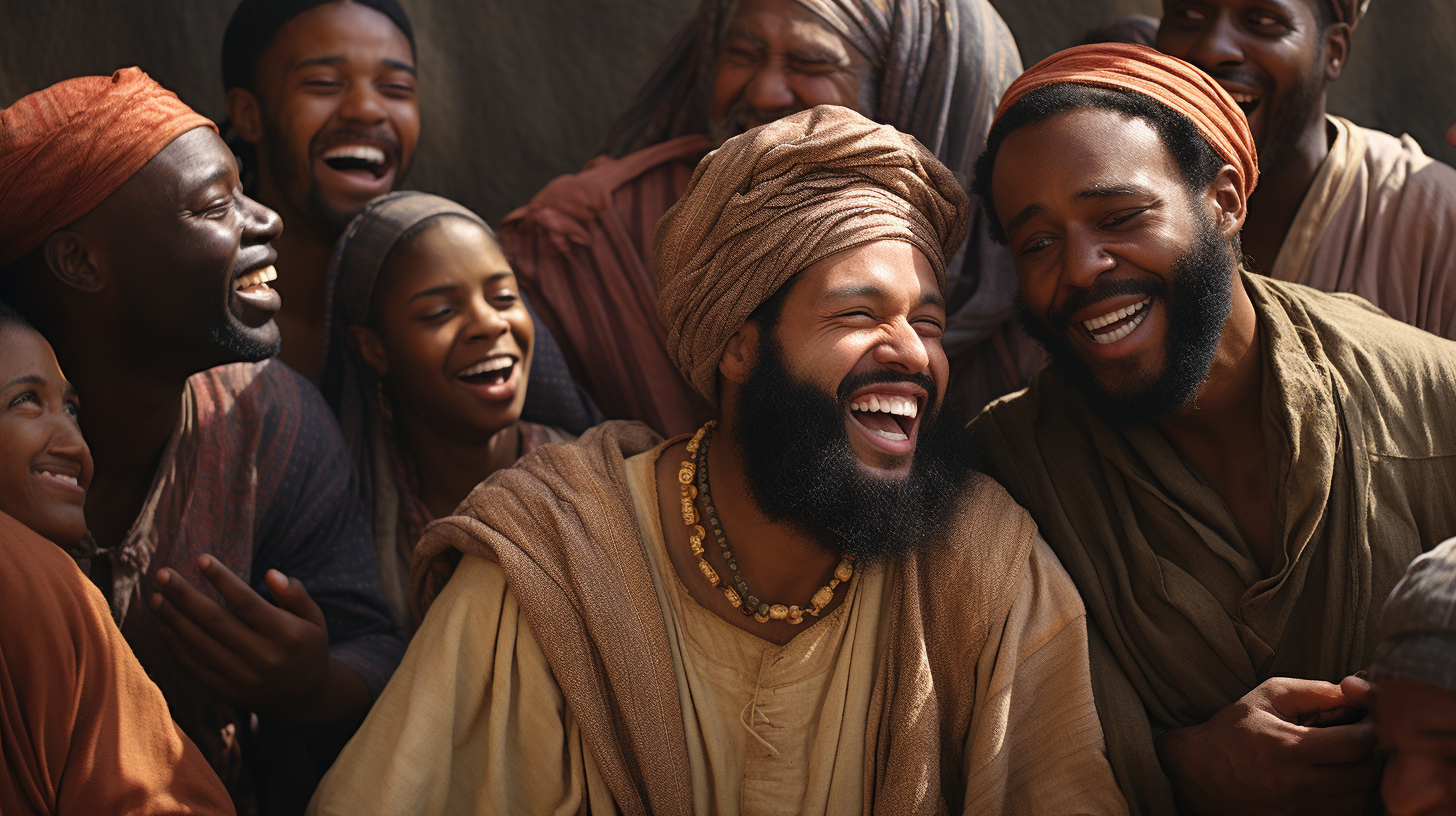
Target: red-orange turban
{"x":63,"y":150}
{"x":1169,"y":80}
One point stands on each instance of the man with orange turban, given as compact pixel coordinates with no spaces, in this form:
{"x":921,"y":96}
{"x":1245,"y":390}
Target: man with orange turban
{"x":809,"y":605}
{"x":223,"y":532}
{"x":1341,"y":208}
{"x":1234,"y":470}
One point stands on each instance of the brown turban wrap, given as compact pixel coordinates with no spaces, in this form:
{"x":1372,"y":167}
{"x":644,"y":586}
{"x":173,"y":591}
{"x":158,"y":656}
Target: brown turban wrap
{"x":63,"y":150}
{"x":1350,"y":11}
{"x":773,"y":201}
{"x":1169,"y":80}
{"x":1418,"y":626}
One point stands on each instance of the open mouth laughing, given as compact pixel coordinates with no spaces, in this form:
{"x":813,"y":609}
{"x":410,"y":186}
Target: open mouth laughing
{"x":1114,"y":325}
{"x":495,"y":378}
{"x":358,"y":163}
{"x":254,"y":302}
{"x":887,"y":415}
{"x":63,"y":476}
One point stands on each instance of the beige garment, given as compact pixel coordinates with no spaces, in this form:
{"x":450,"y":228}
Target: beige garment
{"x":769,"y":729}
{"x":1379,"y":221}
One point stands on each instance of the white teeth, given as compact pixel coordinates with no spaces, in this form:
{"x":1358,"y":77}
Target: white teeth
{"x":1112,"y":317}
{"x":487,"y":366}
{"x":1243,"y":98}
{"x":61,"y":477}
{"x":899,"y":406}
{"x":894,"y":436}
{"x":1120,"y":332}
{"x":261,"y":276}
{"x":373,"y":155}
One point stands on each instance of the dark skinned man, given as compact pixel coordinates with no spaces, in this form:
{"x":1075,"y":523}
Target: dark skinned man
{"x":582,"y":247}
{"x":868,"y":627}
{"x":226,"y":540}
{"x":1339,"y":207}
{"x":1234,"y":470}
{"x":322,"y":96}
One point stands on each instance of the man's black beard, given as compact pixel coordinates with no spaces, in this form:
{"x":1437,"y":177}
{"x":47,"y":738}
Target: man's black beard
{"x":327,"y":219}
{"x":237,"y":345}
{"x":802,"y":471}
{"x":1196,"y":304}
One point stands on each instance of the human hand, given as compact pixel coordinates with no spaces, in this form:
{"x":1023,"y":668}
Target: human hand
{"x":1254,"y":757}
{"x":272,"y":659}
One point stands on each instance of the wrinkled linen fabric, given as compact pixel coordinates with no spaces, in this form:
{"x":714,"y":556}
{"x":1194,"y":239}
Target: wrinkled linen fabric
{"x":1418,"y":624}
{"x":64,"y":149}
{"x":384,"y":474}
{"x":779,"y":198}
{"x":583,"y":245}
{"x":83,"y":730}
{"x":1378,"y":221}
{"x":1182,"y":620}
{"x":1170,"y":81}
{"x":768,"y":729}
{"x":564,"y":528}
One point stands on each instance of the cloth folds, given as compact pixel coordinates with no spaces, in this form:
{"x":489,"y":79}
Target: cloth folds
{"x":777,"y":199}
{"x":64,"y":149}
{"x":1168,"y":80}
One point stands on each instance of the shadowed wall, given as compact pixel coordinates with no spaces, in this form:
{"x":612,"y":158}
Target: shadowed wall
{"x":514,"y":93}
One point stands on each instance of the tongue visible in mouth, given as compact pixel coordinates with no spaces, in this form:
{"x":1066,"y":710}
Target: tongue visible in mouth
{"x":886,"y":425}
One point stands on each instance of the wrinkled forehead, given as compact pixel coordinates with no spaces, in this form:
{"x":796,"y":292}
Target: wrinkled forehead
{"x":810,"y":28}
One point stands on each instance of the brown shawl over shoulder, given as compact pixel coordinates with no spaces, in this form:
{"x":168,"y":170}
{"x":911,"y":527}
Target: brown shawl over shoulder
{"x":562,"y":526}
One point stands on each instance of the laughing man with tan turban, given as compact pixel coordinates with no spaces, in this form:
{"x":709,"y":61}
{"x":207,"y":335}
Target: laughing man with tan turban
{"x":1234,"y":470}
{"x":811,"y":604}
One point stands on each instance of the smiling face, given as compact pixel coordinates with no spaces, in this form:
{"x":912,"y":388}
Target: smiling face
{"x":451,"y":335}
{"x":1275,"y":57}
{"x":1125,"y":274}
{"x":779,"y":58}
{"x":45,"y":466}
{"x":335,"y":114}
{"x":187,"y":257}
{"x":1416,"y":722}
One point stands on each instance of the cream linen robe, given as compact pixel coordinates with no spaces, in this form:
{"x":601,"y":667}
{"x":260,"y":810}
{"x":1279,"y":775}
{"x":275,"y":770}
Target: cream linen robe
{"x":474,"y":721}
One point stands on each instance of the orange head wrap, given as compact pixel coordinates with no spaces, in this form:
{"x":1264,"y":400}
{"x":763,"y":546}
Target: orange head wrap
{"x":1169,"y":80}
{"x":63,"y":150}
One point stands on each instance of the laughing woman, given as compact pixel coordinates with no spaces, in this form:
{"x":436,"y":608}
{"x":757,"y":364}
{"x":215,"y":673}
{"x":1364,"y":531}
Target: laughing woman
{"x":429,"y":348}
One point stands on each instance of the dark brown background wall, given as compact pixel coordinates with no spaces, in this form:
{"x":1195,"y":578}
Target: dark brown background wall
{"x":514,"y":92}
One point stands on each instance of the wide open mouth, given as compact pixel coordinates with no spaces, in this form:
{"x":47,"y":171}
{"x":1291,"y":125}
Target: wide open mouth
{"x":490,"y":371}
{"x":250,"y":283}
{"x":1246,"y":102}
{"x":1118,"y":323}
{"x":358,"y":158}
{"x":891,"y":417}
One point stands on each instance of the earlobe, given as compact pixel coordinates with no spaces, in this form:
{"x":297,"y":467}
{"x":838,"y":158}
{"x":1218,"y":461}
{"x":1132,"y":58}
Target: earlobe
{"x":243,"y":112}
{"x":367,"y":342}
{"x":68,"y":259}
{"x":1230,"y":207}
{"x":1337,"y":50}
{"x":738,"y":356}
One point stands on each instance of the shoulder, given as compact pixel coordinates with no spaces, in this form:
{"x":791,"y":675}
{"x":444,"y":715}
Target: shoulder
{"x":265,"y":397}
{"x":41,"y":586}
{"x":575,"y":195}
{"x":1399,"y":164}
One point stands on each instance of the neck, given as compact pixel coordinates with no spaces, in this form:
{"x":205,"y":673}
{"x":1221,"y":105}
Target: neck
{"x":1283,"y":184}
{"x":448,"y":469}
{"x":779,"y":563}
{"x":304,"y":250}
{"x":1229,"y":405}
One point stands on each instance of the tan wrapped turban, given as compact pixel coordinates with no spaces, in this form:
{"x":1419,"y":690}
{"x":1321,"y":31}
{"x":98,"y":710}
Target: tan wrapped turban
{"x":1418,"y":626}
{"x":773,"y":201}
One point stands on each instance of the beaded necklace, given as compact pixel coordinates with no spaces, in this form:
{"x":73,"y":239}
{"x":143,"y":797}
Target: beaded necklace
{"x":695,"y":468}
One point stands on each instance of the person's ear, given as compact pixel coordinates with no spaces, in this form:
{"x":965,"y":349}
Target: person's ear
{"x":370,"y":347}
{"x":1227,"y":199}
{"x":741,"y":353}
{"x":246,"y":114}
{"x":69,"y":259}
{"x":1337,"y":50}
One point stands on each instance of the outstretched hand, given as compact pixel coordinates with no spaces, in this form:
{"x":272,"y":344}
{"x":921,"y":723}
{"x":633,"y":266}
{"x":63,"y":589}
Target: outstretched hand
{"x":1288,"y":746}
{"x":272,"y":659}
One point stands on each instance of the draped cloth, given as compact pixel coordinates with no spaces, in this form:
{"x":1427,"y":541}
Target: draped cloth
{"x":1378,"y":221}
{"x":583,"y":245}
{"x":1418,"y":624}
{"x":83,"y":730}
{"x":776,"y":200}
{"x":1183,"y":621}
{"x":564,"y":530}
{"x":64,"y":149}
{"x":383,"y":474}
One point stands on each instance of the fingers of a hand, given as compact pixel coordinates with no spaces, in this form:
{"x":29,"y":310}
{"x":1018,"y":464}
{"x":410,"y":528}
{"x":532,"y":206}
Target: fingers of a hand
{"x":293,"y":597}
{"x":188,"y":601}
{"x":1335,"y":744}
{"x":1359,"y":691}
{"x":201,"y":656}
{"x":1289,"y":697}
{"x":242,"y":600}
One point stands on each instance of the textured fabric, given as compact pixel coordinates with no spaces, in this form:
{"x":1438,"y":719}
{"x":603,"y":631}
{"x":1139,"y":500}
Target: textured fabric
{"x":1378,"y":221}
{"x":563,"y":529}
{"x":82,"y":728}
{"x":1418,"y":625}
{"x":64,"y":149}
{"x":583,"y":245}
{"x":769,"y":729}
{"x":1350,"y":11}
{"x":256,"y":475}
{"x":1168,"y":80}
{"x":773,"y":201}
{"x":1182,"y":620}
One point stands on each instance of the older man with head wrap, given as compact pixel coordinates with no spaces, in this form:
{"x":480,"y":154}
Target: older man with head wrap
{"x":1340,"y":207}
{"x":812,"y":605}
{"x":583,"y":245}
{"x":1234,"y":470}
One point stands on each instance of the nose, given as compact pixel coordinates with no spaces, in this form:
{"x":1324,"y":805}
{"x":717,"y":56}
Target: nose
{"x":68,"y":443}
{"x":362,"y":105}
{"x":1412,"y":785}
{"x":1084,"y":258}
{"x":769,"y":89}
{"x":487,"y":321}
{"x":1216,"y":44}
{"x":902,"y":348}
{"x":260,"y":223}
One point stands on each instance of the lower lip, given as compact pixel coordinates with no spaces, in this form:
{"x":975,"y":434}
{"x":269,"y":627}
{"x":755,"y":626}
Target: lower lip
{"x":355,"y":182}
{"x":1126,"y":345}
{"x":504,"y":391}
{"x":69,"y":489}
{"x":893,"y":447}
{"x":256,"y":306}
